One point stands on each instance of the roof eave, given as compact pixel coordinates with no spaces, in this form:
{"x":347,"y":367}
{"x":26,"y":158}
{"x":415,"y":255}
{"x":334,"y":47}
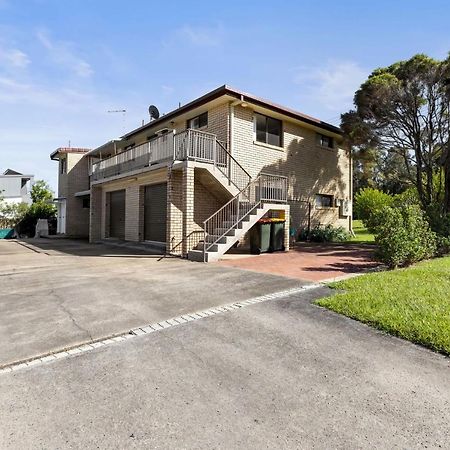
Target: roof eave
{"x":227,"y":90}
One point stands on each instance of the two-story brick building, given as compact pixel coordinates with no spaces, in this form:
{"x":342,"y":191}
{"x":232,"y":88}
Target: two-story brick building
{"x":195,"y":180}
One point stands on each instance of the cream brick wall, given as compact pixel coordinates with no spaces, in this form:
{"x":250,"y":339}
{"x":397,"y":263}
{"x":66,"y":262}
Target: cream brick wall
{"x":189,"y":204}
{"x":96,"y":213}
{"x":310,"y":169}
{"x":175,"y":212}
{"x":75,"y":180}
{"x":218,"y":124}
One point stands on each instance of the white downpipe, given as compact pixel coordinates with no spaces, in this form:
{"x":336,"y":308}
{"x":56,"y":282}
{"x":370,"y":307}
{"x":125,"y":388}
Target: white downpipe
{"x":232,"y":105}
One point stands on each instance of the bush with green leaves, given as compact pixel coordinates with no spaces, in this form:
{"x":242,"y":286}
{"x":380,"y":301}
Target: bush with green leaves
{"x":11,"y":213}
{"x":368,"y":205}
{"x":321,"y":233}
{"x":404,"y":236}
{"x":39,"y":210}
{"x":41,"y":192}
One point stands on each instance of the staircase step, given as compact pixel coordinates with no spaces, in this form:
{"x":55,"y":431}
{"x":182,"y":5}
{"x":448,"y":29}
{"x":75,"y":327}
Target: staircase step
{"x":221,"y":231}
{"x":218,"y":238}
{"x":197,"y":255}
{"x":236,"y":226}
{"x":212,"y":248}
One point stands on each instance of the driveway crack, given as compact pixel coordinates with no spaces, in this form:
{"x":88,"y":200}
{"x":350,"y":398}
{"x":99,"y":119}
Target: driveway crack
{"x":60,"y":303}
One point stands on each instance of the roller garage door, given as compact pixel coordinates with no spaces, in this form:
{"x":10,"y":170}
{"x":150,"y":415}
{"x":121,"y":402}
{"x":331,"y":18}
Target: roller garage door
{"x":155,"y":212}
{"x":117,"y":214}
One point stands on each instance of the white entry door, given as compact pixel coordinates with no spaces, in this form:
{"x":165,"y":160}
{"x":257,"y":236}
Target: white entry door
{"x":61,"y":224}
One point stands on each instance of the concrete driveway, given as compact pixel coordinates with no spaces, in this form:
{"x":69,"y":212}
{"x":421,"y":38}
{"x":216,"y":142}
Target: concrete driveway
{"x":279,"y":374}
{"x":57,"y":293}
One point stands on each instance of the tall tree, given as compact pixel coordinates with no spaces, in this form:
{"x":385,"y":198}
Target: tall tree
{"x":41,"y":192}
{"x":404,"y":109}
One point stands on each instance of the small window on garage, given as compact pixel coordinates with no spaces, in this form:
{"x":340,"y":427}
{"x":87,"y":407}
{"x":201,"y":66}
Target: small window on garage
{"x":198,"y":122}
{"x":324,"y":201}
{"x":86,"y":202}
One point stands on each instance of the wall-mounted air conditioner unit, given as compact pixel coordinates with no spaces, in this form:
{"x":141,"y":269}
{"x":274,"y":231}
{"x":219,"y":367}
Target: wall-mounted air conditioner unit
{"x":345,"y":208}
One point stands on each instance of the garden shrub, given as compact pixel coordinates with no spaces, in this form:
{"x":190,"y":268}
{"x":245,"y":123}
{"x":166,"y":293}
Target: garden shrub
{"x":40,"y":210}
{"x":326,"y":233}
{"x":408,"y":197}
{"x":442,"y":245}
{"x":11,"y":214}
{"x":368,"y":205}
{"x":404,"y":236}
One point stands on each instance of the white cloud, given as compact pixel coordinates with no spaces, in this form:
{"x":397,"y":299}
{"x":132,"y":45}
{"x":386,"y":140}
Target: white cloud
{"x":13,"y":58}
{"x":63,"y":55}
{"x":332,"y":85}
{"x":197,"y":36}
{"x":168,"y":90}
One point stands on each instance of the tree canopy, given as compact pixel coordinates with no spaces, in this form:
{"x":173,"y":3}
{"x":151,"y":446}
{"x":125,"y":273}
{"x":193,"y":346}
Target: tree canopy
{"x":41,"y":192}
{"x":403,"y":111}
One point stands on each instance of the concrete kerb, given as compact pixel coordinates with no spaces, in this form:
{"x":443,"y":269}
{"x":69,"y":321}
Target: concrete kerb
{"x":147,"y":329}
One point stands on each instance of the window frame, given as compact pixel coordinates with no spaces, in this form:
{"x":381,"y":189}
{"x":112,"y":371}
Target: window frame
{"x":319,"y":140}
{"x":321,"y":196}
{"x":63,"y":166}
{"x":255,"y":130}
{"x":199,"y":116}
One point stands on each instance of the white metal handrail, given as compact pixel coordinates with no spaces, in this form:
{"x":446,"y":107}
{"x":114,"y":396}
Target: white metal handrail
{"x":190,"y":144}
{"x":156,"y":150}
{"x":264,"y":188}
{"x":199,"y":146}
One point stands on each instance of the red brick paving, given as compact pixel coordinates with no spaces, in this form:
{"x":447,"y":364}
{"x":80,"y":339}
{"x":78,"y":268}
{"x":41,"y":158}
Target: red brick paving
{"x":312,"y":262}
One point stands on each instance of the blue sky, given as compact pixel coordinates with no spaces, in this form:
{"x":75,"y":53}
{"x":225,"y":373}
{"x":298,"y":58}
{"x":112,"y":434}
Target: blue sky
{"x":65,"y":63}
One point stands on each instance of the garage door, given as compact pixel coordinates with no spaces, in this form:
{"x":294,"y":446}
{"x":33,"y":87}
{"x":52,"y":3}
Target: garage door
{"x":117,"y":214}
{"x":155,"y":212}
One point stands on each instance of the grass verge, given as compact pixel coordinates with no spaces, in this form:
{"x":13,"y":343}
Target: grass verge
{"x":412,"y":303}
{"x":362,"y":236}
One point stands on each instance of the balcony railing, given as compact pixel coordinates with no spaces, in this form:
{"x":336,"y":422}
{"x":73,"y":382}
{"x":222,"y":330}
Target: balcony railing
{"x":157,"y":150}
{"x":187,"y":145}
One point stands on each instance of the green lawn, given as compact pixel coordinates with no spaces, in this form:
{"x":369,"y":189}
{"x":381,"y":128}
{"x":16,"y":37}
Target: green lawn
{"x":412,"y":303}
{"x":362,"y":236}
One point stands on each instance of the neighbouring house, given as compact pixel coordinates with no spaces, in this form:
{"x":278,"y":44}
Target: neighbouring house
{"x":73,"y":191}
{"x":15,"y":187}
{"x":195,"y":180}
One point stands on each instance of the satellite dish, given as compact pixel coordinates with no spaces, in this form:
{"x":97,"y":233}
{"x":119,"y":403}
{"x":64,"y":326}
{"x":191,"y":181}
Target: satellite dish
{"x":153,"y":111}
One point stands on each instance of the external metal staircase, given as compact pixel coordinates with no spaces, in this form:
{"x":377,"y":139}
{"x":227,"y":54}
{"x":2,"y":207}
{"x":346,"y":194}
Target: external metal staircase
{"x":250,"y":198}
{"x":230,"y":223}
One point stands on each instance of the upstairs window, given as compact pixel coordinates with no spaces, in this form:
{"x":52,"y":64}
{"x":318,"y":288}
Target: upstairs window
{"x":63,"y":165}
{"x":324,"y":201}
{"x":268,"y":130}
{"x":198,"y":122}
{"x":325,"y":141}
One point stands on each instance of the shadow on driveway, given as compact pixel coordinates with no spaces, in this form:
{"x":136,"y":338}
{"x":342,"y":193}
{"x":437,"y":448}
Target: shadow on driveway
{"x":81,"y":247}
{"x":313,"y":262}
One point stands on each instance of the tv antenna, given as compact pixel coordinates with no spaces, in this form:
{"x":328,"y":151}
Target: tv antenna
{"x":121,"y":111}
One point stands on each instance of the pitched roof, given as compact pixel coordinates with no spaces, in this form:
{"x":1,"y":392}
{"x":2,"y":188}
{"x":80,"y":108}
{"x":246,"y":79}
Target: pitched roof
{"x":11,"y":172}
{"x":245,"y":97}
{"x":68,"y":150}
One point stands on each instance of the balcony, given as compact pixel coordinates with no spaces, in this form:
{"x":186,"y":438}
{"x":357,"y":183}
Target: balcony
{"x":189,"y":144}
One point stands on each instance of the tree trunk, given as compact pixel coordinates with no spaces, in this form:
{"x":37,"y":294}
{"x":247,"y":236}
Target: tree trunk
{"x":447,"y":183}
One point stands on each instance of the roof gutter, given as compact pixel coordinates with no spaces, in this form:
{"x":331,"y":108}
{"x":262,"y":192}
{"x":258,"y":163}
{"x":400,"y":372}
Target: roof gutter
{"x":241,"y":97}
